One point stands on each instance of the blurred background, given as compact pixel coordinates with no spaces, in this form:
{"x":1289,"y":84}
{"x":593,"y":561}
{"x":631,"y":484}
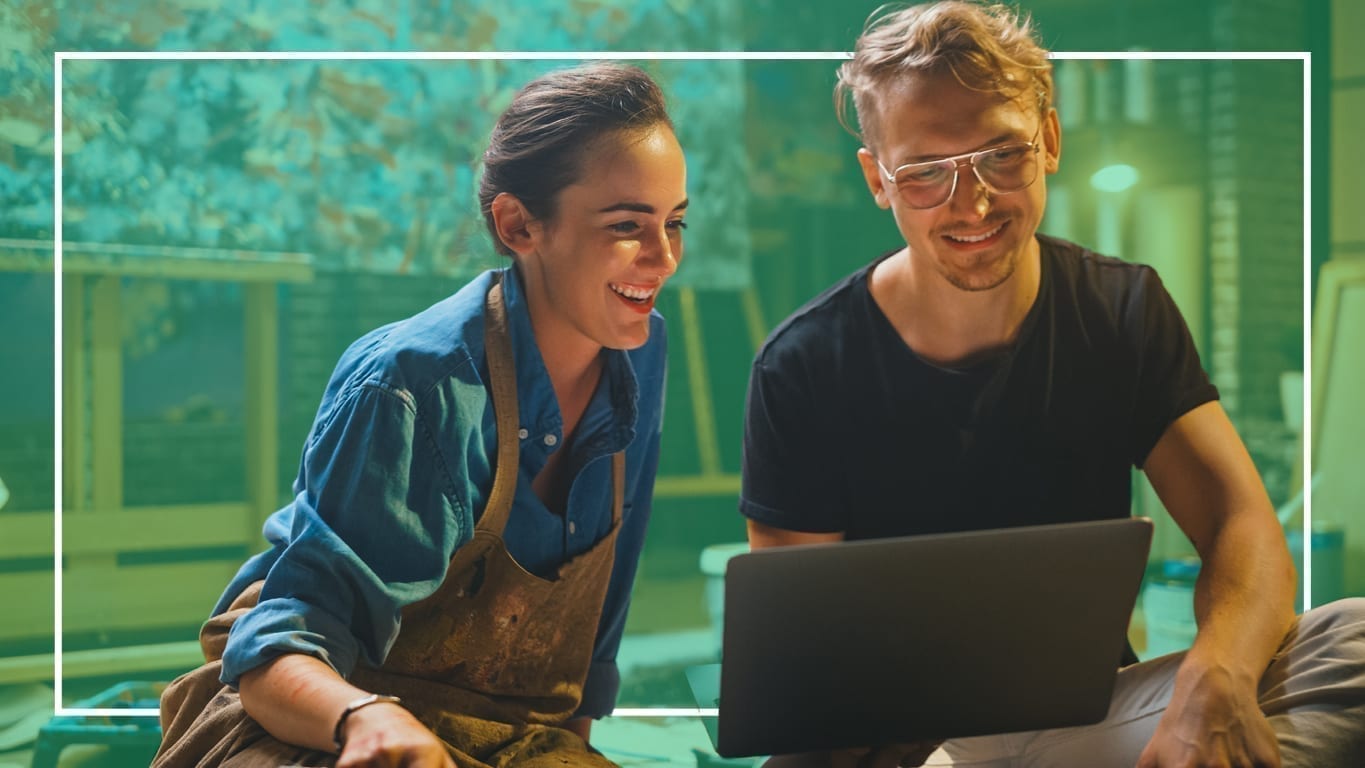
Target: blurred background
{"x":231,"y":226}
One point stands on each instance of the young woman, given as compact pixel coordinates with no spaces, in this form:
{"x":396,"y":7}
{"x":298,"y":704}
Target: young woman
{"x":450,"y":583}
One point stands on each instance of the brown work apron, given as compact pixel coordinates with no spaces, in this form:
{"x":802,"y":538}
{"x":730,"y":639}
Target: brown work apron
{"x":493,"y":662}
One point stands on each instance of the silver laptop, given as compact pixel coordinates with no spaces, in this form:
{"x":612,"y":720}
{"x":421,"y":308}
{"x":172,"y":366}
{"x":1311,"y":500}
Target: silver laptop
{"x":927,"y":637}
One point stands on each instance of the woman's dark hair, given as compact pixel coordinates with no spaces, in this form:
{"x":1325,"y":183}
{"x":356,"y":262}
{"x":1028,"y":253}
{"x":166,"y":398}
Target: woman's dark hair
{"x":539,"y":142}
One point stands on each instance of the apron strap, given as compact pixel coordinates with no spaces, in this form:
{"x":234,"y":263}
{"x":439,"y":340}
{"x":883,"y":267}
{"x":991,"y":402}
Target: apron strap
{"x":618,"y":486}
{"x":497,"y":341}
{"x":502,"y":376}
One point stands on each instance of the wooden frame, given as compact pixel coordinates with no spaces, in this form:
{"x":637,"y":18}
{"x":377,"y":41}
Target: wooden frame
{"x":105,"y":589}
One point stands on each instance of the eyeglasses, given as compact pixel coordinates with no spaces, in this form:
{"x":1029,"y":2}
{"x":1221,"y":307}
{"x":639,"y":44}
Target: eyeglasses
{"x":1003,"y":169}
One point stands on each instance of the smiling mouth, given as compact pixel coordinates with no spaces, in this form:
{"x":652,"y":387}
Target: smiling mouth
{"x":971,"y":239}
{"x":631,"y":293}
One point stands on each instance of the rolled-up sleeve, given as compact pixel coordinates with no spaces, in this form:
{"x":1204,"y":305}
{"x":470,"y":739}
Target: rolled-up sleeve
{"x":372,"y":529}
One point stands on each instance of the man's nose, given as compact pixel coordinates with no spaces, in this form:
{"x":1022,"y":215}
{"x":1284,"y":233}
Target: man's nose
{"x":970,"y":193}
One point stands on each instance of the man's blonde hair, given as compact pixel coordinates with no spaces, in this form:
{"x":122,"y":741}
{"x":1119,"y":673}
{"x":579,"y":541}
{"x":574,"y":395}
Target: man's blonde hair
{"x":988,"y":48}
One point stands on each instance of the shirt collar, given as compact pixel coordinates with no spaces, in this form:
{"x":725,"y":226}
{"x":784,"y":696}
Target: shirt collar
{"x":536,"y":403}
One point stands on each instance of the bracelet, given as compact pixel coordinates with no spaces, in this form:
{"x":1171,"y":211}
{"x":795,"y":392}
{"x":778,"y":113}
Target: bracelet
{"x":360,"y":703}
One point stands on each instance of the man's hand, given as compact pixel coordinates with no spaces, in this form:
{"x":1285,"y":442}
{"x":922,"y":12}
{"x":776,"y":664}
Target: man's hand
{"x":388,"y":736}
{"x":1212,"y":720}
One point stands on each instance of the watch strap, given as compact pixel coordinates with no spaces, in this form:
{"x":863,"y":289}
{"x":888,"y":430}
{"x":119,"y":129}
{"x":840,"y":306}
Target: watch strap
{"x":364,"y":701}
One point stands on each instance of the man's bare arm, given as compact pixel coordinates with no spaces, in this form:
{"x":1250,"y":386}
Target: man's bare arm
{"x":1243,"y":599}
{"x":762,"y":536}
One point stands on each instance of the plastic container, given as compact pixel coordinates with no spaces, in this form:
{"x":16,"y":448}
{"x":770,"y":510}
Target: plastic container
{"x":134,"y":739}
{"x":1168,"y":607}
{"x":713,"y":561}
{"x":1329,"y":562}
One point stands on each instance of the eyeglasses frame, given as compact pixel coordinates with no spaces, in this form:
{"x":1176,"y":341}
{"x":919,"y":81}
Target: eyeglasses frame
{"x":968,"y":159}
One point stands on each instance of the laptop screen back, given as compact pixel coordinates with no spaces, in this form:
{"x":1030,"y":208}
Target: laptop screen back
{"x":929,"y":637}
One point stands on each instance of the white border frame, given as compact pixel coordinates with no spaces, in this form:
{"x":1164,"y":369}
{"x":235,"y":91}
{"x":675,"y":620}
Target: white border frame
{"x":60,"y":57}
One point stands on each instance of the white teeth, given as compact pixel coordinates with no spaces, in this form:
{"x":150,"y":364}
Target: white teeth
{"x":635,"y":294}
{"x":975,"y":238}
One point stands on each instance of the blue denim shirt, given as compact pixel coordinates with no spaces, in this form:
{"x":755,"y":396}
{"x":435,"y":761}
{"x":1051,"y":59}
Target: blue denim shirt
{"x":398,"y":466}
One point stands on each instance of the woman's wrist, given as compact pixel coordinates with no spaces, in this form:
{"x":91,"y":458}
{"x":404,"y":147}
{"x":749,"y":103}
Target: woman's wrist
{"x":339,"y":730}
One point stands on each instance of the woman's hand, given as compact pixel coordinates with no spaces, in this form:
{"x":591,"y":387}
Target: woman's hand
{"x":388,"y":736}
{"x":298,"y":700}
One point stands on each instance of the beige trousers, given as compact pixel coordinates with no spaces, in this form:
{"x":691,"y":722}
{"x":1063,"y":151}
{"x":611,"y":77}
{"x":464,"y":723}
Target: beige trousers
{"x":1313,"y":693}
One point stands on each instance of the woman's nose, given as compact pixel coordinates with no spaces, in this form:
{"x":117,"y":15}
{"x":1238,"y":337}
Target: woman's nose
{"x":663,"y":256}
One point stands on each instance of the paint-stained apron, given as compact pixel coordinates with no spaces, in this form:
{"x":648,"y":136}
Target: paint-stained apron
{"x":493,"y":662}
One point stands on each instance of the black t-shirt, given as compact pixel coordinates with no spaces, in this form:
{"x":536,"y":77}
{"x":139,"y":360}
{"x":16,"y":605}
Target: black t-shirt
{"x":848,"y":430}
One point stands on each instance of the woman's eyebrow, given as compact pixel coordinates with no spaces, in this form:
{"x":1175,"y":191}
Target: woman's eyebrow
{"x":637,"y":207}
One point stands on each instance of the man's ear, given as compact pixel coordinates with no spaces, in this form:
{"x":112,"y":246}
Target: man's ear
{"x":876,"y":182}
{"x":1052,"y":141}
{"x":515,"y":226}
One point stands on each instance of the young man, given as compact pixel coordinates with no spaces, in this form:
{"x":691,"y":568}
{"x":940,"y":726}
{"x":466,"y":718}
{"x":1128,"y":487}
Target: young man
{"x":987,"y":376}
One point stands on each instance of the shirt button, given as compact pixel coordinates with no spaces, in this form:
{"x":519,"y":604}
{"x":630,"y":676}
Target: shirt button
{"x":572,"y":528}
{"x":551,"y":439}
{"x":523,"y":434}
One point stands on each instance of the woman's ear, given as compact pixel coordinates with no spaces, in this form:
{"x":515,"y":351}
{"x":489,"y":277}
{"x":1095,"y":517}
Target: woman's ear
{"x":513,"y":223}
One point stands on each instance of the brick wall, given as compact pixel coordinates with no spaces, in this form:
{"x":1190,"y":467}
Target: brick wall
{"x":1255,"y":165}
